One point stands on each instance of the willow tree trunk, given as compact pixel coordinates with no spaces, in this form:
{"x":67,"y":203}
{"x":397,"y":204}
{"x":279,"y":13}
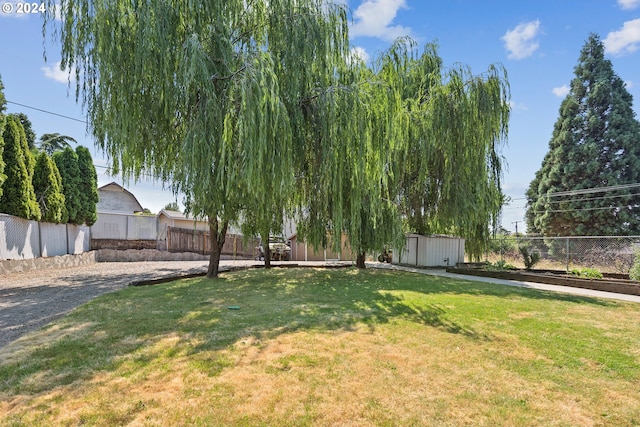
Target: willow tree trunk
{"x":360,"y":260}
{"x":266,"y":249}
{"x":216,"y":238}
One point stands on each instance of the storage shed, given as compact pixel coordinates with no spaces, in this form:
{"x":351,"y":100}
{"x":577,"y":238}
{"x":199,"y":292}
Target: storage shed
{"x":430,"y":251}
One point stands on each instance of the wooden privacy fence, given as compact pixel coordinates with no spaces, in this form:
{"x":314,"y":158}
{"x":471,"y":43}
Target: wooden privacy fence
{"x":190,"y":240}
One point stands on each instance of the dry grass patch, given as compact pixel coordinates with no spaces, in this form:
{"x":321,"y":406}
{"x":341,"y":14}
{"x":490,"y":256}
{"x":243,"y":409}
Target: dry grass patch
{"x":319,"y":347}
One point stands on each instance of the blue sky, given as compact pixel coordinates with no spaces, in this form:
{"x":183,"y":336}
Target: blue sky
{"x":538,"y":42}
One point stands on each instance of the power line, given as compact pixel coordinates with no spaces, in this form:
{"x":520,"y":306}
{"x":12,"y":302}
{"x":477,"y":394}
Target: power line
{"x":585,"y":191}
{"x":592,"y":190}
{"x":76,"y":120}
{"x":586,"y":209}
{"x":48,"y":112}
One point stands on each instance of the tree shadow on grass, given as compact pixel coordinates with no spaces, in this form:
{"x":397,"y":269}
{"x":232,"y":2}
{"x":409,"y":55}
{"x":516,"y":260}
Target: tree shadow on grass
{"x":200,"y":314}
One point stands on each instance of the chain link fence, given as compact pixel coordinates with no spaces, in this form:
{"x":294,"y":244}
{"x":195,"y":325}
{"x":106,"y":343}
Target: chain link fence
{"x":608,"y":254}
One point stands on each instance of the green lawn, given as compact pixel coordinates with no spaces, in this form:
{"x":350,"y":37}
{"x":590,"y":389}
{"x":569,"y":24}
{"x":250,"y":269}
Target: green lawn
{"x":329,"y":347}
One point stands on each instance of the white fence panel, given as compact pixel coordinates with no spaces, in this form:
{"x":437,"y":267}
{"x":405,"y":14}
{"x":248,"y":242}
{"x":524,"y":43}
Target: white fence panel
{"x":19,"y":238}
{"x":110,"y":226}
{"x":53,"y":238}
{"x":142,"y":228}
{"x":78,"y":238}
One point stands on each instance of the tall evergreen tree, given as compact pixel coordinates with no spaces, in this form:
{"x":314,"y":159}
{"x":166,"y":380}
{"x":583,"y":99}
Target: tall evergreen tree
{"x":47,"y":184}
{"x":28,"y":130}
{"x":595,"y":144}
{"x":88,"y":187}
{"x":18,"y":197}
{"x":3,"y":106}
{"x":67,"y":163}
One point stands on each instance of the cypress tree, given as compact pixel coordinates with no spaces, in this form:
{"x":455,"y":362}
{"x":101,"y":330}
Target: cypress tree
{"x":28,"y":130}
{"x":67,"y":163}
{"x":47,"y":184}
{"x":3,"y":103}
{"x":595,"y":144}
{"x":88,"y":187}
{"x":18,"y":197}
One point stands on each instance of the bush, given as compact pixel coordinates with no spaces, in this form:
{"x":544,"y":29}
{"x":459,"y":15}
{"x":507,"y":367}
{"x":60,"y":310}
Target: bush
{"x":530,"y":259}
{"x":634,"y":273}
{"x":499,"y":266}
{"x":587,"y":273}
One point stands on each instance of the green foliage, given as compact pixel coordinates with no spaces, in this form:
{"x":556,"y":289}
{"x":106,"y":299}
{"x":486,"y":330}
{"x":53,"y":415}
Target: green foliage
{"x":594,"y":144}
{"x":587,"y":273}
{"x":28,"y":130}
{"x":263,"y":111}
{"x":47,"y":184}
{"x":3,"y":102}
{"x":500,"y":265}
{"x":53,"y":142}
{"x":88,"y":187}
{"x":634,"y":273}
{"x":504,"y":243}
{"x":173,"y":206}
{"x":67,"y":163}
{"x":530,"y":259}
{"x":18,"y":197}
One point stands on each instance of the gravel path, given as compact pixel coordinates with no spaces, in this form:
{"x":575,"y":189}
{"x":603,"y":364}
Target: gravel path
{"x":32,"y":299}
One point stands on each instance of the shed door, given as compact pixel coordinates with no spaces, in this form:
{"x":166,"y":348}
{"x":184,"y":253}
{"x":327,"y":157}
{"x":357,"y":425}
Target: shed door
{"x":411,"y":251}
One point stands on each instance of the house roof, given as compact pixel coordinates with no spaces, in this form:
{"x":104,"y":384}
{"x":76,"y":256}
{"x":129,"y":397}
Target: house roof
{"x":177,"y":215}
{"x":114,"y":186}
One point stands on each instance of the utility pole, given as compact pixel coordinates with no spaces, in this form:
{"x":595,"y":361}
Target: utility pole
{"x":516,"y":223}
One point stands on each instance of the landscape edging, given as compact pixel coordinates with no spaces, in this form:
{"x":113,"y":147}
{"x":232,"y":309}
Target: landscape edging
{"x":593,"y":284}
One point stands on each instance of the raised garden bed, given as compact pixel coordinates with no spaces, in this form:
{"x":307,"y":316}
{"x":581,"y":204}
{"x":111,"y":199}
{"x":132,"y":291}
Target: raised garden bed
{"x":608,"y":284}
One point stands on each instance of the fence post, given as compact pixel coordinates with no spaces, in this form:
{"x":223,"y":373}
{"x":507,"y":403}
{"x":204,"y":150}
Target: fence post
{"x":567,"y":251}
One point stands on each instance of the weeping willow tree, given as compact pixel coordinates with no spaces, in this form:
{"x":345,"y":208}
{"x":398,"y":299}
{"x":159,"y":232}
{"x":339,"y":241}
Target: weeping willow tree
{"x":451,"y":167}
{"x":405,"y":142}
{"x":345,"y":180}
{"x":247,"y":105}
{"x":185,"y":90}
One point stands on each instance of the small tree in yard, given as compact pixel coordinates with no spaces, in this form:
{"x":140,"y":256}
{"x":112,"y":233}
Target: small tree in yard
{"x":529,"y":258}
{"x":47,"y":184}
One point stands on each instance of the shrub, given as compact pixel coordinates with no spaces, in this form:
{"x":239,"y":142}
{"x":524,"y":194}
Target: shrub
{"x":587,"y":273}
{"x":634,"y":273}
{"x":499,"y":266}
{"x":530,"y":259}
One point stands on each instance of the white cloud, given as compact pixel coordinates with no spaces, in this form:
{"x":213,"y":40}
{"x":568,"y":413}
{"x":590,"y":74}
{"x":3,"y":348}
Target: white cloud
{"x":517,"y":107}
{"x":54,"y":72}
{"x":628,"y":4}
{"x":561,"y":91}
{"x":624,"y":41}
{"x":521,"y":41}
{"x":361,"y":53}
{"x":373,"y":18}
{"x":628,"y":84}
